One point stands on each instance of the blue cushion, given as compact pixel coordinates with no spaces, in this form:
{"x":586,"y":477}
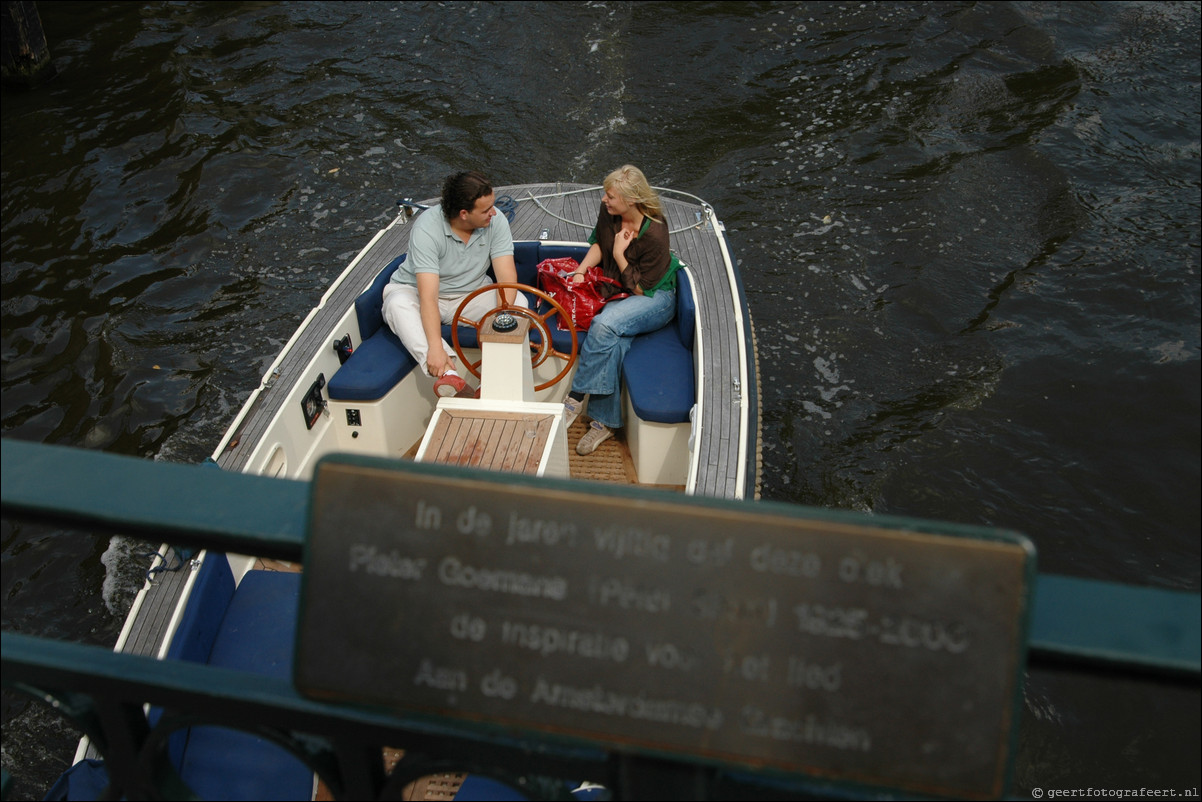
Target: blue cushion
{"x":561,"y":341}
{"x":467,"y":334}
{"x":198,"y":626}
{"x":369,"y":306}
{"x":526,"y":256}
{"x":259,"y":629}
{"x":373,"y":369}
{"x":525,"y":259}
{"x":257,"y":635}
{"x":658,"y":371}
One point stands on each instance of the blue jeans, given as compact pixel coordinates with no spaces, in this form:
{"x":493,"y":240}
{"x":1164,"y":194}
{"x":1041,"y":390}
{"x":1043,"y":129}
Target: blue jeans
{"x":599,"y":370}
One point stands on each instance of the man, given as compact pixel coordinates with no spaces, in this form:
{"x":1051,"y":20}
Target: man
{"x":451,"y":247}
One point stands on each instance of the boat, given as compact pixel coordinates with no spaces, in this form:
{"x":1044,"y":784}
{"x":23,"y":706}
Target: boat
{"x":344,"y":384}
{"x":361,"y":408}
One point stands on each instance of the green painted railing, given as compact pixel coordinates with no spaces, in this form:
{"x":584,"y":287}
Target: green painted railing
{"x":1090,"y":625}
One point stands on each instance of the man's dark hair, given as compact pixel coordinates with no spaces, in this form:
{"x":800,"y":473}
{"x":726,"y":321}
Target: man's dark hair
{"x":461,"y":191}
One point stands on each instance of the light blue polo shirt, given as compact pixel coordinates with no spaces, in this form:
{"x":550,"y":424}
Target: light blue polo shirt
{"x":461,"y":267}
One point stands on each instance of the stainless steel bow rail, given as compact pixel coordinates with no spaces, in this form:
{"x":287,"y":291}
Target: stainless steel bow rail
{"x":674,"y":675}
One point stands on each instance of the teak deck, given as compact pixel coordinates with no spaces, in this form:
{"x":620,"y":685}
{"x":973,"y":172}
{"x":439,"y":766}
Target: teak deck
{"x":499,"y":441}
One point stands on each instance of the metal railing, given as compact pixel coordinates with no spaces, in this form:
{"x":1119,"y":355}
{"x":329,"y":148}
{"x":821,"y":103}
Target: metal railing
{"x":1094,"y":626}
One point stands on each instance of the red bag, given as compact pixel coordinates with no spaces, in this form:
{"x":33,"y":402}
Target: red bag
{"x":582,"y":301}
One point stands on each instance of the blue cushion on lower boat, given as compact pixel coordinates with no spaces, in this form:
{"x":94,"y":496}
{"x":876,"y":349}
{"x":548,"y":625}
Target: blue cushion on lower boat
{"x":258,"y":636}
{"x":201,"y":621}
{"x":259,"y":630}
{"x":87,"y":779}
{"x":198,"y":629}
{"x":228,"y":764}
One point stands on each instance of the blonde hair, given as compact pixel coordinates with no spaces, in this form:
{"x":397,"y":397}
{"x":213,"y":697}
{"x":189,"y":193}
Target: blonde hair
{"x":629,"y":182}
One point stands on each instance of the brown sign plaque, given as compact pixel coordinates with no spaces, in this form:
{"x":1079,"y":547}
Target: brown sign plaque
{"x":846,"y":648}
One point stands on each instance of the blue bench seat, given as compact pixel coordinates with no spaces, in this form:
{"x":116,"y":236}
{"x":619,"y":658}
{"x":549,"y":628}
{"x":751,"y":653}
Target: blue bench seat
{"x":251,"y":628}
{"x":380,"y":361}
{"x":658,"y":369}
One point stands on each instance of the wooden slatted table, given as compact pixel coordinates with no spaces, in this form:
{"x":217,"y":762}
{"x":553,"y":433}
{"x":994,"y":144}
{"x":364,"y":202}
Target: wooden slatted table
{"x":525,"y":438}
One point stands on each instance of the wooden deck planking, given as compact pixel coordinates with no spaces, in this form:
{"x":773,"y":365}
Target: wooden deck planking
{"x":717,"y":306}
{"x":530,"y":219}
{"x":500,"y":441}
{"x":158,"y":605}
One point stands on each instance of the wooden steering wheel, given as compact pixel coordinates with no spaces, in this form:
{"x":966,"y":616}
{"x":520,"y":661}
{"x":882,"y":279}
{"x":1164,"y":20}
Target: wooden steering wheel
{"x":541,"y":351}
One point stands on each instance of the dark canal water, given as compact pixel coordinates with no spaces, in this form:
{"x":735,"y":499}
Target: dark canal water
{"x":969,"y":231}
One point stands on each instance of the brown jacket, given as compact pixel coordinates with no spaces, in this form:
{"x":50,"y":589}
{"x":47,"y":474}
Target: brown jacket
{"x":647,"y":258}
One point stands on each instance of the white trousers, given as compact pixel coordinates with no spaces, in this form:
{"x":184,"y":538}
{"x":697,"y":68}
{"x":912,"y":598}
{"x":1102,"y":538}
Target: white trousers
{"x":402,"y":313}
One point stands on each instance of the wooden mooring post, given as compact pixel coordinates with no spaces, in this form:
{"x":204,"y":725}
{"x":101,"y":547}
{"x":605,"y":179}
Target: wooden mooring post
{"x":24,"y":56}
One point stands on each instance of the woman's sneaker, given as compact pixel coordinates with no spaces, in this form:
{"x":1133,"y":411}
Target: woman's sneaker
{"x":597,"y":434}
{"x":571,"y":411}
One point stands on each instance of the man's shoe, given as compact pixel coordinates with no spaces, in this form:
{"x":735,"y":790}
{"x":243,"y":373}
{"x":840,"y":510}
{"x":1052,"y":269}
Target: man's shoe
{"x":571,"y":411}
{"x":449,"y":384}
{"x":597,"y":434}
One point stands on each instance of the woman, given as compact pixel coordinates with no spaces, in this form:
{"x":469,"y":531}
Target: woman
{"x":630,"y":242}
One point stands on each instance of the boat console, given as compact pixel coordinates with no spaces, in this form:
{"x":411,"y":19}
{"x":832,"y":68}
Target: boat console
{"x":505,"y":428}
